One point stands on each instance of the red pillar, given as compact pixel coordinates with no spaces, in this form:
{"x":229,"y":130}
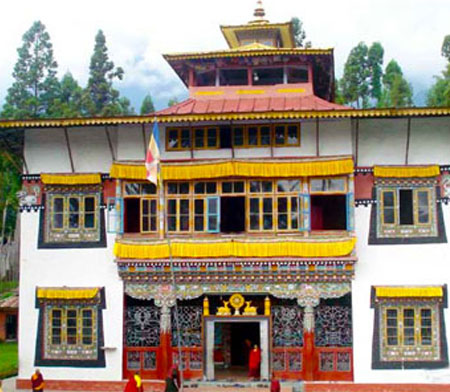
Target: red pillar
{"x":165,"y":358}
{"x":309,"y":359}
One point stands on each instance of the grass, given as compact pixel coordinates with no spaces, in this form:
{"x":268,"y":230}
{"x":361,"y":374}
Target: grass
{"x":8,"y":359}
{"x":6,"y":287}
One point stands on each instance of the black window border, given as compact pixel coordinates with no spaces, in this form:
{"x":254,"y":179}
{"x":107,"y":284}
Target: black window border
{"x":42,"y":244}
{"x":377,"y":363}
{"x":373,"y":239}
{"x":100,"y":362}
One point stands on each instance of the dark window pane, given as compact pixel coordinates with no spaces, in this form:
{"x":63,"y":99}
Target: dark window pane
{"x":255,"y":186}
{"x":74,"y":204}
{"x":132,"y":189}
{"x":89,"y":221}
{"x":198,"y":206}
{"x":254,"y":205}
{"x":282,"y":204}
{"x":268,"y":221}
{"x":267,"y":186}
{"x":282,"y":221}
{"x":279,"y":135}
{"x":211,"y":187}
{"x":58,"y":220}
{"x":199,"y":187}
{"x":89,"y":204}
{"x":406,"y":207}
{"x":212,"y":137}
{"x":292,"y":134}
{"x":265,"y":136}
{"x":238,"y":136}
{"x":199,"y":138}
{"x":184,"y":223}
{"x":423,"y":207}
{"x":297,"y":75}
{"x":58,"y":204}
{"x":239,"y":187}
{"x":389,"y":217}
{"x":254,"y":222}
{"x":388,"y":199}
{"x":186,"y":138}
{"x":233,"y":77}
{"x":148,"y":189}
{"x":172,"y":188}
{"x":173,"y":138}
{"x":74,"y":221}
{"x":184,"y":188}
{"x":184,"y":207}
{"x":253,"y":136}
{"x":172,"y":223}
{"x":172,"y":207}
{"x":227,"y":187}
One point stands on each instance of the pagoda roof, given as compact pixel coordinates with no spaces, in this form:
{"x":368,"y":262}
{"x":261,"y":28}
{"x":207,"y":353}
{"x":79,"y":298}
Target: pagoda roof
{"x":284,"y":29}
{"x":250,"y":99}
{"x":252,"y":50}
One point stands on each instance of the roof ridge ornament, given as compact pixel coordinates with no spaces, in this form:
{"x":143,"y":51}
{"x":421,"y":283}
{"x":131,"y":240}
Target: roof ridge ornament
{"x":259,"y":14}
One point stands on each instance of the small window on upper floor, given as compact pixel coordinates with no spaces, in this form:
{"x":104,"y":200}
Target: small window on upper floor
{"x":267,"y":76}
{"x":297,"y":74}
{"x":233,"y":77}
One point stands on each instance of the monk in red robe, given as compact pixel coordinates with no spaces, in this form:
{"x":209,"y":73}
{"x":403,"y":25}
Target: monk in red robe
{"x":275,"y":384}
{"x":254,"y":362}
{"x":131,"y":384}
{"x":37,"y":381}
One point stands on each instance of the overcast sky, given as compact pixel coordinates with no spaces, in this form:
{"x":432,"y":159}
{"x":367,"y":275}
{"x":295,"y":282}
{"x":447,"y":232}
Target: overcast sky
{"x":138,"y":32}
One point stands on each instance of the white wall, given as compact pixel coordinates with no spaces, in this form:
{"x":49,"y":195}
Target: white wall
{"x":424,"y":264}
{"x":72,"y":268}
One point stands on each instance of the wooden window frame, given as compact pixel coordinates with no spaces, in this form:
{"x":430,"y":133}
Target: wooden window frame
{"x":179,"y":131}
{"x":178,"y":197}
{"x":149,"y":215}
{"x":80,"y":212}
{"x":286,"y":134}
{"x":205,"y":138}
{"x":328,"y":192}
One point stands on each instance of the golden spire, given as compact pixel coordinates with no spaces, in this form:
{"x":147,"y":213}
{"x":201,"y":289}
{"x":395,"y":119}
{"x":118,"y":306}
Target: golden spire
{"x":259,"y":14}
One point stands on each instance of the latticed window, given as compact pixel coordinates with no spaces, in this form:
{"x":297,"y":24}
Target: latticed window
{"x":72,"y":327}
{"x":187,"y":326}
{"x":142,"y":326}
{"x":287,"y":325}
{"x":409,"y":327}
{"x":71,"y":216}
{"x":333,"y":326}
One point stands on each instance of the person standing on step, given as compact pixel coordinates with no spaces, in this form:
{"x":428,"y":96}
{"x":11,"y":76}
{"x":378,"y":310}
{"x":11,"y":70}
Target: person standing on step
{"x":171,"y":383}
{"x":275,"y":384}
{"x":37,"y":381}
{"x":254,"y":363}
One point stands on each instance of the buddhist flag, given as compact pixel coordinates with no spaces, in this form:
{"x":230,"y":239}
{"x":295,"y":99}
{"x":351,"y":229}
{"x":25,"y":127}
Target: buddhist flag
{"x":152,"y":159}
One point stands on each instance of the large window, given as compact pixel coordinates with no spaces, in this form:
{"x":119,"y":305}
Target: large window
{"x":70,"y":329}
{"x":72,"y":218}
{"x":237,"y":136}
{"x":409,"y":330}
{"x":141,"y":208}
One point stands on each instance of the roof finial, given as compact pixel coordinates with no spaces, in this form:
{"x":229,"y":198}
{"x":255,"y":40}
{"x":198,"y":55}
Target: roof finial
{"x":259,"y":11}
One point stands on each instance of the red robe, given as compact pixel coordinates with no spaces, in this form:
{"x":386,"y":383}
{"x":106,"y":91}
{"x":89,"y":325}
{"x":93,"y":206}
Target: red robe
{"x":254,"y":362}
{"x":275,"y":386}
{"x":131,"y":384}
{"x":37,"y":382}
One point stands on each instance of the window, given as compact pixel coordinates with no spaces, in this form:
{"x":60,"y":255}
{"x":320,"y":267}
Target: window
{"x":233,"y":77}
{"x":406,"y":212}
{"x":70,"y":330}
{"x":297,"y":74}
{"x":205,"y":78}
{"x":178,"y":139}
{"x":409,"y":327}
{"x":140,"y":208}
{"x":72,"y":218}
{"x":261,"y":205}
{"x":287,"y":135}
{"x":288,"y":206}
{"x":206,"y":137}
{"x":267,"y":76}
{"x":178,"y":207}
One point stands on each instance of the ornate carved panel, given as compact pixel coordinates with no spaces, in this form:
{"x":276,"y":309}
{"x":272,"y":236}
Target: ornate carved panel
{"x":142,"y":326}
{"x":287,"y":326}
{"x":190,"y":325}
{"x":333,"y":326}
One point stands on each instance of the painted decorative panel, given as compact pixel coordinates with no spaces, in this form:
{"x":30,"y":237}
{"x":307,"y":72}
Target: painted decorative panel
{"x":287,"y":326}
{"x":333,"y":326}
{"x":189,"y":322}
{"x":142,"y":326}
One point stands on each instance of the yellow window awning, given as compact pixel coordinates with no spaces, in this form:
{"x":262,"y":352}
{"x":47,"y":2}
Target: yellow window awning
{"x":409,"y":291}
{"x":235,"y":248}
{"x":237,"y":168}
{"x":66,"y":293}
{"x":71,"y":179}
{"x":406,"y":171}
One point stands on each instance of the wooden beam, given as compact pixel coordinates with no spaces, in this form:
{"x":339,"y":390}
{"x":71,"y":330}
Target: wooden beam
{"x":111,"y":149}
{"x":317,"y":138}
{"x":69,"y":150}
{"x":408,"y":137}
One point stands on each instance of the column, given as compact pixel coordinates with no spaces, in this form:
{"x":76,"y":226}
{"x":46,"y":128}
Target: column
{"x":165,"y":342}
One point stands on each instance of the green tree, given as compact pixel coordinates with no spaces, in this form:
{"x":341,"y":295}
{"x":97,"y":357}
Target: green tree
{"x":172,"y":101}
{"x":69,"y":99}
{"x":299,"y":33}
{"x":354,"y":84}
{"x":445,"y":51}
{"x":375,"y":61}
{"x":101,"y":99}
{"x":35,"y":84}
{"x":397,"y":91}
{"x":9,"y":184}
{"x":147,"y":105}
{"x":439,"y":94}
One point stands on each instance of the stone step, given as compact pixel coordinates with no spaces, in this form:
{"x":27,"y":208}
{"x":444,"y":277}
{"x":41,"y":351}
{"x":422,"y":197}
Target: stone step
{"x":205,"y":386}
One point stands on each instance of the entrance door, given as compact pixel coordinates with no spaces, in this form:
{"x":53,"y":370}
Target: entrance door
{"x":238,"y":336}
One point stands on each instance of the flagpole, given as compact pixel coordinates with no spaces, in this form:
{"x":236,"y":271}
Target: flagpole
{"x":163,"y":234}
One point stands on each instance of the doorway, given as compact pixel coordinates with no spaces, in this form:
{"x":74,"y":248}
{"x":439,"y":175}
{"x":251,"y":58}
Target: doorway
{"x":228,"y":344}
{"x":232,"y":214}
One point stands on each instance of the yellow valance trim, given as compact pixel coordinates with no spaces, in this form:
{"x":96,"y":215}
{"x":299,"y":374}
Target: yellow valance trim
{"x":235,"y":248}
{"x":67,"y":293}
{"x":71,"y":179}
{"x":224,"y":169}
{"x":406,"y":171}
{"x":431,"y":291}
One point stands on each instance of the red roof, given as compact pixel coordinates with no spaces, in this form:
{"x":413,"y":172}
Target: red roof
{"x":253,"y":99}
{"x":10,"y":302}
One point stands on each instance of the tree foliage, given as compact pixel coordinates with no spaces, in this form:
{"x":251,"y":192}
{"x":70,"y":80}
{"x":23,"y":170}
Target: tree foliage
{"x":100,"y":98}
{"x":299,"y":33}
{"x":375,"y":56}
{"x":35,"y":83}
{"x":68,"y":102}
{"x":147,"y":105}
{"x":355,"y":81}
{"x":397,"y":91}
{"x":439,"y":94}
{"x":172,"y":101}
